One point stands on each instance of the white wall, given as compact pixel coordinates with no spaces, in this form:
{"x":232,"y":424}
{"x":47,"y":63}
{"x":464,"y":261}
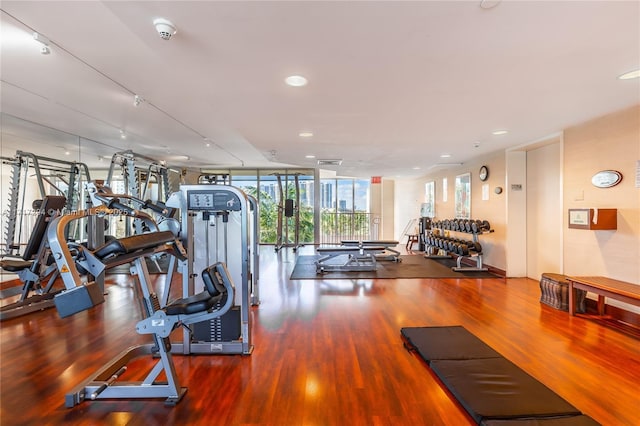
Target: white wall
{"x":544,"y":210}
{"x":409,"y":194}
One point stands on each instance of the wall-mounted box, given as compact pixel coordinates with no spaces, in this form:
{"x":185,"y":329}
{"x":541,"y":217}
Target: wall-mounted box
{"x":593,"y":219}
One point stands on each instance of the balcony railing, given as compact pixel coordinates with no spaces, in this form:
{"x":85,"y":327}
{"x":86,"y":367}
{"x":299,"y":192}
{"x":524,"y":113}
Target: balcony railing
{"x":338,"y":226}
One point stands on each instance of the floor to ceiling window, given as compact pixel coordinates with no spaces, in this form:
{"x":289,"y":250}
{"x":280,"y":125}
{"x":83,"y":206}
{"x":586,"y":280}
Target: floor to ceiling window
{"x":344,"y":210}
{"x":271,"y":188}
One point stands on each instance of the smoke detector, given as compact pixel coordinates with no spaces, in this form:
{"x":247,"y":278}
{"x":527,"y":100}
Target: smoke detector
{"x":164,"y":28}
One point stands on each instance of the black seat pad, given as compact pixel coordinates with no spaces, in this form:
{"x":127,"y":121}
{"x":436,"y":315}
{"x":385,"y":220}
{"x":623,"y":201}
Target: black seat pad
{"x":214,"y":291}
{"x":495,"y":388}
{"x":133,"y":243}
{"x":449,"y":342}
{"x":15,"y":265}
{"x":200,"y":302}
{"x":554,"y":421}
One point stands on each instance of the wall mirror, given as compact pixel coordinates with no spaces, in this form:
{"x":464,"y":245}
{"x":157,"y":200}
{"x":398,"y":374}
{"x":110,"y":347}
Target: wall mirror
{"x":428,"y":208}
{"x":463,"y":196}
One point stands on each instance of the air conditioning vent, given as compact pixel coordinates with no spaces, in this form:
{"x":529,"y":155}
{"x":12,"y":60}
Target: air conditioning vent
{"x":329,"y":162}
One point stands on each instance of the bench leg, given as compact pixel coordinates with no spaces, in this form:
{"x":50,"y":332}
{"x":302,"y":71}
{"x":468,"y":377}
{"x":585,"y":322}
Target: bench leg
{"x":600,"y":305}
{"x":572,"y":299}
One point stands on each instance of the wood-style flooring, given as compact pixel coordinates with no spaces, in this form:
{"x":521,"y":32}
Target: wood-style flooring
{"x":326,"y":353}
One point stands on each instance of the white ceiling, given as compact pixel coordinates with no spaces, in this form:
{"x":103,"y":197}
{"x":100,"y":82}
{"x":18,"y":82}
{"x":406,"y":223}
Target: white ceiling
{"x":392,"y":85}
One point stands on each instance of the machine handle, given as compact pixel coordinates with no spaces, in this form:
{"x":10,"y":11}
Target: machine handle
{"x":117,"y":205}
{"x":158,"y":208}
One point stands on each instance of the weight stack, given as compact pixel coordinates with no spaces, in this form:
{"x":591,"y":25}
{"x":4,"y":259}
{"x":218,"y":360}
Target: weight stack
{"x":554,"y":289}
{"x":226,"y":328}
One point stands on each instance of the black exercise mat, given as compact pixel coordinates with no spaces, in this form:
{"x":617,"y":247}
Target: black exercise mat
{"x":448,"y":342}
{"x":414,"y":266}
{"x":581,"y":420}
{"x":496,"y":388}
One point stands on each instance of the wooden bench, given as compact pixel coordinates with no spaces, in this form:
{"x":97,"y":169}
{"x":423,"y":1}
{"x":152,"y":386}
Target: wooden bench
{"x":603,"y":287}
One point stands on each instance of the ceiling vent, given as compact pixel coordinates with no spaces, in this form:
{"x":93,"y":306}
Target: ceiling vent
{"x":329,"y":162}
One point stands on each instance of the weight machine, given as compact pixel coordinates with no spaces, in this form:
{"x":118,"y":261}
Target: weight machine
{"x":139,"y":172}
{"x":218,"y":224}
{"x":288,"y":208}
{"x":80,"y":294}
{"x":59,"y":177}
{"x":214,"y":179}
{"x":102,"y":195}
{"x":35,"y":266}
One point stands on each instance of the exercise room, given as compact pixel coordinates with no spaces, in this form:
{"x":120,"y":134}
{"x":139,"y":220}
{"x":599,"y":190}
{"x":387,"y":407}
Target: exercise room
{"x":320,"y":213}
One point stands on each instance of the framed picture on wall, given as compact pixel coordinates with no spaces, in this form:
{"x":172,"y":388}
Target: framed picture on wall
{"x":463,"y":196}
{"x":428,"y":208}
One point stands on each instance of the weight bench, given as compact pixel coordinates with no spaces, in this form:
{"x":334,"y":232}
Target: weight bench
{"x":34,"y":266}
{"x":489,"y":387}
{"x":390,"y":254}
{"x":358,"y":258}
{"x":215,"y":300}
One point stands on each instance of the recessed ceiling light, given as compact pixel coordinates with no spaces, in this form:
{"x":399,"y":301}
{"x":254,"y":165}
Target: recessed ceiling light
{"x":629,"y":75}
{"x":445,"y":156}
{"x":500,"y":132}
{"x":416,"y":168}
{"x":309,"y":156}
{"x":296,"y":81}
{"x":305,"y":134}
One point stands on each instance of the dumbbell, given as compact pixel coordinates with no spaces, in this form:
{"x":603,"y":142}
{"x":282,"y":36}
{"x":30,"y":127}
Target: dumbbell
{"x":480,"y":226}
{"x":443,"y":244}
{"x":466,"y":249}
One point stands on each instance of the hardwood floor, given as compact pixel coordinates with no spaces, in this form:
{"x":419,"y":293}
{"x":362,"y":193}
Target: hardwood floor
{"x":326,"y":353}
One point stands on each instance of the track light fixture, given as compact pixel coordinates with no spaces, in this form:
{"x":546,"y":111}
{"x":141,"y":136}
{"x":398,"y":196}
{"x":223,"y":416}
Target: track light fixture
{"x":44,"y":49}
{"x":137,"y":100}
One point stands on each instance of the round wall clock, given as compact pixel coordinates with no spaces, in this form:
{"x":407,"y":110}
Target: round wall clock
{"x":483,"y":174}
{"x":606,"y":178}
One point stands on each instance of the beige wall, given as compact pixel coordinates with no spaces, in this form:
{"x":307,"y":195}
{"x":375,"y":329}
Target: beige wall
{"x":609,"y":142}
{"x":388,"y":216}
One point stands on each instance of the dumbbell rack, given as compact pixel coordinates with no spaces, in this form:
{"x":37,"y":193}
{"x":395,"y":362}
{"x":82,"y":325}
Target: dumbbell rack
{"x":472,"y":251}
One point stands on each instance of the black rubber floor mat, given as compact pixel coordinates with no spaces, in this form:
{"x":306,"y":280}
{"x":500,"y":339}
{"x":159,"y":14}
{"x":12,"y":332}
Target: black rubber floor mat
{"x":448,"y":342}
{"x":553,"y":421}
{"x":495,"y":388}
{"x":411,"y":266}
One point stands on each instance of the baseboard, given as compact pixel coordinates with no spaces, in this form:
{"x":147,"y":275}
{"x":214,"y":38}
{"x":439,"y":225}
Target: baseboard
{"x":471,"y":262}
{"x":615,"y":313}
